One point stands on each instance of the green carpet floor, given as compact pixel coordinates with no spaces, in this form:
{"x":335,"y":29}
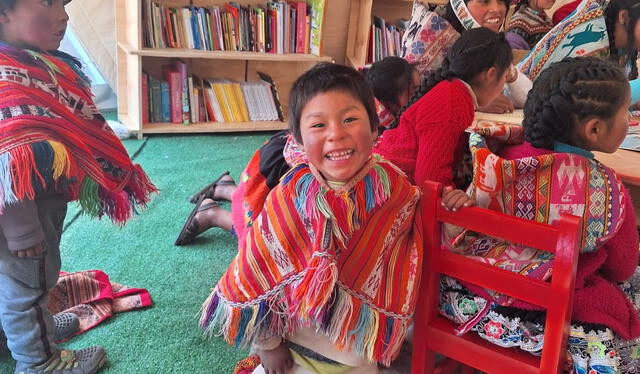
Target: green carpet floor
{"x":164,"y":338}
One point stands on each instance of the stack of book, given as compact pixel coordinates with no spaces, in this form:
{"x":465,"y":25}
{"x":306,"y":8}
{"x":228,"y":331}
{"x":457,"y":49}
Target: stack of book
{"x":184,"y":98}
{"x":276,"y":27}
{"x":384,"y":40}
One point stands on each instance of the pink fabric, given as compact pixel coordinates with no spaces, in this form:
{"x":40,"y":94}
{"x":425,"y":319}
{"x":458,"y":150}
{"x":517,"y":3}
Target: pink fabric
{"x":430,"y":140}
{"x":597,"y":298}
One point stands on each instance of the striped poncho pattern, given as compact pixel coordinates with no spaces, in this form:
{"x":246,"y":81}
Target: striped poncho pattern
{"x":346,"y":262}
{"x":52,"y":137}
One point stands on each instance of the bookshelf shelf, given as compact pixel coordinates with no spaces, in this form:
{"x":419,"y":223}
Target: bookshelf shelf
{"x":222,"y":55}
{"x":133,"y":59}
{"x":203,"y":127}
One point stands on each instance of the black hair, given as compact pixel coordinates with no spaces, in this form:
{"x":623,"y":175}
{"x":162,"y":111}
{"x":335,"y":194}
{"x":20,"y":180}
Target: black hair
{"x":453,"y":20}
{"x":389,"y":78}
{"x":325,"y":77}
{"x":610,"y":16}
{"x":475,"y":51}
{"x":568,"y":92}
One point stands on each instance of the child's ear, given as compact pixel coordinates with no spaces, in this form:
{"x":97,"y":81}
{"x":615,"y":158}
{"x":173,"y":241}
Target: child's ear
{"x":591,"y":132}
{"x":623,"y":17}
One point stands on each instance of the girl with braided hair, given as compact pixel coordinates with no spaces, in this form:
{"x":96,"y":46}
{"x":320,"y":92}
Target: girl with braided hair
{"x":429,"y":140}
{"x":576,"y":106}
{"x":432,"y":32}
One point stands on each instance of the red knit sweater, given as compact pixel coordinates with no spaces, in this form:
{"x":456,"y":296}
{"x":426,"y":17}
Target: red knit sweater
{"x":597,"y":297}
{"x":430,"y":138}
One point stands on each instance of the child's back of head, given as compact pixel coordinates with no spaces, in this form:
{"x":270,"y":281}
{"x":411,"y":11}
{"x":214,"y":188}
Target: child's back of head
{"x":393,"y":81}
{"x":576,"y":102}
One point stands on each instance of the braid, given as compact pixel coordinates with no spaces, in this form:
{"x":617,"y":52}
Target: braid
{"x":567,"y":93}
{"x":435,"y":77}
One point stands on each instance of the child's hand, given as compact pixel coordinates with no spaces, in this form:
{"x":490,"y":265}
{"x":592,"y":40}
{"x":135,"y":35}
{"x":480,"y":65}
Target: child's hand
{"x":30,"y":252}
{"x":277,"y":360}
{"x":500,"y":105}
{"x":455,"y":199}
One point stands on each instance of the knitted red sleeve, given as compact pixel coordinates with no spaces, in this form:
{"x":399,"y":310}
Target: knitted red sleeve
{"x":440,"y":126}
{"x":622,"y":250}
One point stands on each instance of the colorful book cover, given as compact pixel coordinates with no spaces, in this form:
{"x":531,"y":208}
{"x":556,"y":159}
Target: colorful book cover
{"x":165,"y":98}
{"x":317,"y":21}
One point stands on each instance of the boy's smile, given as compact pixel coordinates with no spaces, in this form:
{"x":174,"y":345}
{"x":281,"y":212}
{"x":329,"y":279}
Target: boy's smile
{"x":336,"y":134}
{"x":34,"y":24}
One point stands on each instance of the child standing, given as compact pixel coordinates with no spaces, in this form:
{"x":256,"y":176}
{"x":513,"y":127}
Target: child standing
{"x":576,"y":106}
{"x":330,"y":266}
{"x":54,"y":147}
{"x":429,"y":141}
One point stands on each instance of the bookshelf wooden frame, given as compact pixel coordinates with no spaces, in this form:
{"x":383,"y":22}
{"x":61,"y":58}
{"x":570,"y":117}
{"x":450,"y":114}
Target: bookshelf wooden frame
{"x":132,"y":57}
{"x":360,"y":18}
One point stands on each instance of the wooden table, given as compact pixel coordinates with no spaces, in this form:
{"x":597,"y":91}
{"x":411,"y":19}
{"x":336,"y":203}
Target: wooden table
{"x":627,"y":166}
{"x":625,"y":163}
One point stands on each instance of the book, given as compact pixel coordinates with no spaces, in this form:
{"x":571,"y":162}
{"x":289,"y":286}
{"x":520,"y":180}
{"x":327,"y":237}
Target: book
{"x":156,"y":100}
{"x":165,"y":100}
{"x":144,"y":86}
{"x":274,"y":93}
{"x":172,"y":76}
{"x":317,"y":22}
{"x":301,"y":22}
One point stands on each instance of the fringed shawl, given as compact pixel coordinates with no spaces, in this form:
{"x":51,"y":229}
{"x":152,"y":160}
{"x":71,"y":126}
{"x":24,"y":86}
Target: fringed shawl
{"x":584,"y":33}
{"x":53,"y":137}
{"x":539,"y":188}
{"x":346,"y":262}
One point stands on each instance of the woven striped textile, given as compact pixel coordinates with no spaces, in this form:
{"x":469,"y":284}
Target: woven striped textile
{"x":53,"y":137}
{"x":345,"y":261}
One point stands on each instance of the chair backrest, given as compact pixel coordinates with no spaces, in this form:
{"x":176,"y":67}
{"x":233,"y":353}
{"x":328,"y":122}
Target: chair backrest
{"x":436,"y":334}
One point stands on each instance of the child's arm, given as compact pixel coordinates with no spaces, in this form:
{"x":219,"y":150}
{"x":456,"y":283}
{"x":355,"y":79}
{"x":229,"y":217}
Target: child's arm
{"x":622,"y":249}
{"x":21,"y":228}
{"x":276,"y":360}
{"x":455,"y":199}
{"x":438,"y":146}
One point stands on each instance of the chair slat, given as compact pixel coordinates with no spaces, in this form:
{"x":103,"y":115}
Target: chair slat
{"x":530,"y":290}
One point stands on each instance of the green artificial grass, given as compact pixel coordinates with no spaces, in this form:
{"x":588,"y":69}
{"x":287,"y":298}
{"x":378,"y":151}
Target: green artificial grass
{"x":164,"y":338}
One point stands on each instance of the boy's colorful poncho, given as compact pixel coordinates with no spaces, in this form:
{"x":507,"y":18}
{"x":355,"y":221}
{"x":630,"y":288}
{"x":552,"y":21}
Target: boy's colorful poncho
{"x":53,"y":137}
{"x":345,"y":261}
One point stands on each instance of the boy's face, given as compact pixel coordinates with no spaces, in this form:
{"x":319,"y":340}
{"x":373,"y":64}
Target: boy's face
{"x":34,"y":24}
{"x":336,"y":134}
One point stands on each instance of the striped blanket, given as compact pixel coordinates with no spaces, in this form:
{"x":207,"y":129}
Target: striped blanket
{"x":345,"y":261}
{"x":53,"y":137}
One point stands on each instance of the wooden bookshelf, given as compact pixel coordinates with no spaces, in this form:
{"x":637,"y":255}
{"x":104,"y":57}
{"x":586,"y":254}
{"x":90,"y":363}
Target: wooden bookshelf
{"x":133,"y":58}
{"x":360,"y":19}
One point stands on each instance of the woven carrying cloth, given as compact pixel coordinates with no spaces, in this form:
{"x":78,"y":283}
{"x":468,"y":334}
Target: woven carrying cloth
{"x":538,"y":188}
{"x":53,"y":137}
{"x":344,"y":261}
{"x":583,"y":33}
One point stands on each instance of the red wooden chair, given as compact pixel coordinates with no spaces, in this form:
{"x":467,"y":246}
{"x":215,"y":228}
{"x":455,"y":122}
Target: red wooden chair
{"x":435,"y":334}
